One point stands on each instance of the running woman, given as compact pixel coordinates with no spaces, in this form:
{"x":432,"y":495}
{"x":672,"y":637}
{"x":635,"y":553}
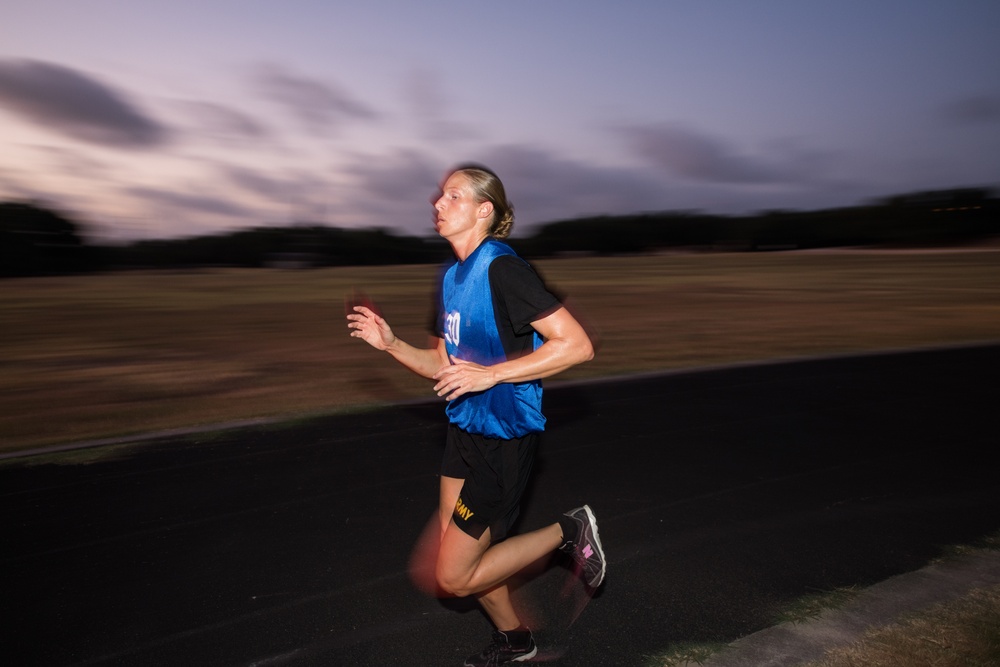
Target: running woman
{"x":500,"y":331}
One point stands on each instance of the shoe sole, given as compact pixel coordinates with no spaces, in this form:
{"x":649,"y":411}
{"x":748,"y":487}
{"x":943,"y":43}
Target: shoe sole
{"x":526,"y":656}
{"x":592,"y":522}
{"x":521,"y":658}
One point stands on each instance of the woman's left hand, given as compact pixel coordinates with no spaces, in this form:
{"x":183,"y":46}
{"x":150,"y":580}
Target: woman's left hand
{"x":462,"y":377}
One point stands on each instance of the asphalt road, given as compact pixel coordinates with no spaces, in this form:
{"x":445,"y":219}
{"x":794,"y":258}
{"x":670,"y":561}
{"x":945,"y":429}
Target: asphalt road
{"x":721,"y":496}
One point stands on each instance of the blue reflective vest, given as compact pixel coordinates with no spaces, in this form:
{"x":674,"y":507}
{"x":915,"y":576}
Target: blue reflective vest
{"x":507,"y":410}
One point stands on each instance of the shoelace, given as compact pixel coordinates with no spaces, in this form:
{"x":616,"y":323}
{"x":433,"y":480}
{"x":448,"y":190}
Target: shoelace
{"x":493,"y":651}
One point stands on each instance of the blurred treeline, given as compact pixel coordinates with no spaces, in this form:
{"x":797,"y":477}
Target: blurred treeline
{"x":35,"y":240}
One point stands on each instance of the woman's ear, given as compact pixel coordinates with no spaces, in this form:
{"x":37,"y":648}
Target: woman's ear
{"x":485,"y":210}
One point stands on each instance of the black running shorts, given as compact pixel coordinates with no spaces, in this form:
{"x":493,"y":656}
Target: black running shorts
{"x":496,"y":473}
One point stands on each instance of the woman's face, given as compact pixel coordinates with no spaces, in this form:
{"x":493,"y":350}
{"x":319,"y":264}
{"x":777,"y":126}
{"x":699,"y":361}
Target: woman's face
{"x":456,"y":210}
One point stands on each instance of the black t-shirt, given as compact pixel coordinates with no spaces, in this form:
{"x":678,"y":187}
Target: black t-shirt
{"x":519,"y":298}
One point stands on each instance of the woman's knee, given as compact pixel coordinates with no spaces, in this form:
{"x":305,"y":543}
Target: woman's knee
{"x":452,"y":582}
{"x":459,"y":560}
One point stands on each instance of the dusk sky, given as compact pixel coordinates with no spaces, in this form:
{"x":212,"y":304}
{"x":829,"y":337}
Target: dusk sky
{"x":162,"y":119}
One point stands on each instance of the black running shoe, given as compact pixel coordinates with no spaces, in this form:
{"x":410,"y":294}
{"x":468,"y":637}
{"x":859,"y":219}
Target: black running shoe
{"x":585,"y":547}
{"x":501,"y":651}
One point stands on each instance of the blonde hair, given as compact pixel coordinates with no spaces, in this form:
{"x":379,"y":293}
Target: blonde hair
{"x":486,"y":186}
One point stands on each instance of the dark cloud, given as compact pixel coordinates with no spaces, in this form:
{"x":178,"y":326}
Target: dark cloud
{"x":392,"y":192}
{"x":195,"y":203}
{"x":294,"y":195}
{"x":318,"y":105}
{"x":974,"y":110}
{"x":694,"y":156}
{"x":223,"y":121}
{"x":396,"y":191}
{"x":545,"y":187}
{"x":67,"y":101}
{"x":255,"y":182}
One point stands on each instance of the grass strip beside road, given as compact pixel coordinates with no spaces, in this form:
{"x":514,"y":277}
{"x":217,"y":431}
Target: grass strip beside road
{"x":99,"y":356}
{"x":962,"y":631}
{"x":959,"y":633}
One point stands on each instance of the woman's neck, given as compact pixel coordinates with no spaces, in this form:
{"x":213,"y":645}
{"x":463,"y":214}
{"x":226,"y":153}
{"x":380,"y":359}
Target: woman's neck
{"x":466,"y":246}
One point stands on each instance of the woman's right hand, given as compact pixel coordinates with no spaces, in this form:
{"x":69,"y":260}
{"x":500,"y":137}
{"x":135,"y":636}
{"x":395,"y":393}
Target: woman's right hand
{"x":370,"y":327}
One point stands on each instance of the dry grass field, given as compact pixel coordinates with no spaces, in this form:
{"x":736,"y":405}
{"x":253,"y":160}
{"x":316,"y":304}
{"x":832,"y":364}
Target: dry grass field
{"x":89,"y":357}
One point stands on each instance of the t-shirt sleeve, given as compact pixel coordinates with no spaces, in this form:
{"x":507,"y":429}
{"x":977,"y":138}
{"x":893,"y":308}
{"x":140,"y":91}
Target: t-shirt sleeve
{"x":519,"y":294}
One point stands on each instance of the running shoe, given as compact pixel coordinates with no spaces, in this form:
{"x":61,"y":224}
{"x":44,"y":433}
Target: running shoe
{"x":586,"y":547}
{"x":501,"y":651}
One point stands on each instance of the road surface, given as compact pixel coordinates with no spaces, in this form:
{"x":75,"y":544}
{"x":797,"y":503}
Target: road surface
{"x":722,"y":495}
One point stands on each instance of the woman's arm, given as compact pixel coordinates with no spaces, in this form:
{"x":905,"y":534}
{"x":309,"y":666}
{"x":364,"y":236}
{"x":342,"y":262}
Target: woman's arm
{"x":566,"y":345}
{"x":372,"y":328}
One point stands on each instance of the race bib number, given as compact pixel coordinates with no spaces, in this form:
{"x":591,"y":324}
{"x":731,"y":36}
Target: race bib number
{"x":452,"y":327}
